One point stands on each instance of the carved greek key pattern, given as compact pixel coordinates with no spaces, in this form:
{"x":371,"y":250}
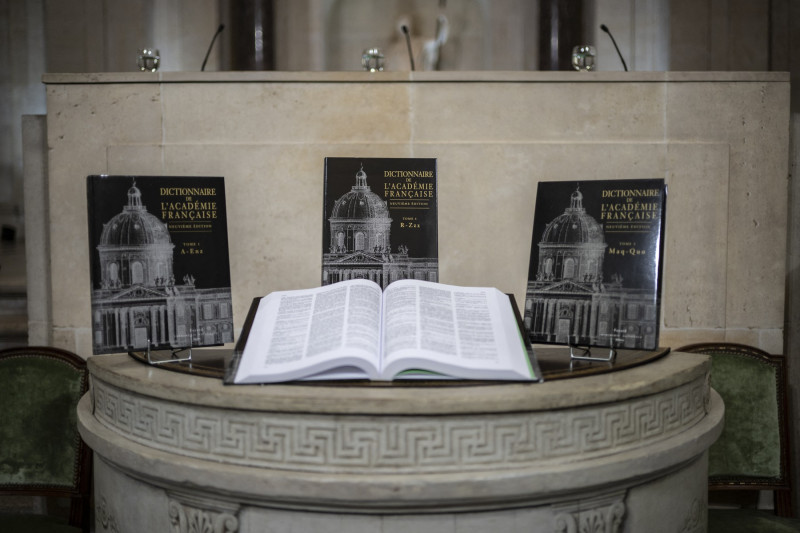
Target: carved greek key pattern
{"x":319,"y":443}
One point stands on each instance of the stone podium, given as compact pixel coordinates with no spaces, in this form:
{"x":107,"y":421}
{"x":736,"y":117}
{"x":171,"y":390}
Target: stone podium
{"x":620,"y":452}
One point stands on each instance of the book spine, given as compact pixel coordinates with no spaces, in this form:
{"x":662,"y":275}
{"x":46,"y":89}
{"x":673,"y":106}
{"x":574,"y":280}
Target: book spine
{"x":232,"y":366}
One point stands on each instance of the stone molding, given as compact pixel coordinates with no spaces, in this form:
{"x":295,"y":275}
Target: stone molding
{"x":396,"y":444}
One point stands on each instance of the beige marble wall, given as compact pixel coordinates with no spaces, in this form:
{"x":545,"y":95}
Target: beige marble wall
{"x":720,"y":140}
{"x":37,"y":230}
{"x":104,"y":35}
{"x":724,"y":35}
{"x":331,"y":34}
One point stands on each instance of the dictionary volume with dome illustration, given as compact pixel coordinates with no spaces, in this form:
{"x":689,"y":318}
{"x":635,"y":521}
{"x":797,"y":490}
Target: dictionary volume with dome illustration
{"x":380,"y":220}
{"x":595,"y":268}
{"x":159,"y":262}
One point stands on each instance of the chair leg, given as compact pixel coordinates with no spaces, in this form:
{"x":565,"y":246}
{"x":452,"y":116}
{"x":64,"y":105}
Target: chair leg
{"x":783,"y":503}
{"x":80,"y":513}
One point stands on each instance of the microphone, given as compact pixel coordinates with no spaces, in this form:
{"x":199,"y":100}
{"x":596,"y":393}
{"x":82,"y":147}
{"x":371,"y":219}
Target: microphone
{"x":605,"y":29}
{"x":408,"y":44}
{"x":210,"y":46}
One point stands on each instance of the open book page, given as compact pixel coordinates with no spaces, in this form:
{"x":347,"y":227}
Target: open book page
{"x":465,"y":332}
{"x":296,"y":334}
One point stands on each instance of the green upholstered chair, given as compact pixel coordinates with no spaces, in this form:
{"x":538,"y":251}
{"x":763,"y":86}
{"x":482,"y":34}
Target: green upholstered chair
{"x":41,"y":452}
{"x":752,"y":453}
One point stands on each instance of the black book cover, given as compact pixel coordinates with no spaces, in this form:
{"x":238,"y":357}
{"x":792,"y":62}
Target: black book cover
{"x":380,"y":220}
{"x":159,"y":262}
{"x":595,"y":267}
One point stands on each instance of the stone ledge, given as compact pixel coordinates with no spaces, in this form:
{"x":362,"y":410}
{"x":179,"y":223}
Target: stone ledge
{"x":412,"y":77}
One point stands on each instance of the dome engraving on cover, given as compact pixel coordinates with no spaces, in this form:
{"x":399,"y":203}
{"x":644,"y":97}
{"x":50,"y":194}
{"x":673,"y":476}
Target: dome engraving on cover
{"x":361,"y":222}
{"x":135,"y":248}
{"x":574,"y":225}
{"x":360,"y":202}
{"x":134,"y":226}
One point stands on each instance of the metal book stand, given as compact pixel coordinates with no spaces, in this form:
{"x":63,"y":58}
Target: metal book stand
{"x":585,"y":354}
{"x":173,"y":357}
